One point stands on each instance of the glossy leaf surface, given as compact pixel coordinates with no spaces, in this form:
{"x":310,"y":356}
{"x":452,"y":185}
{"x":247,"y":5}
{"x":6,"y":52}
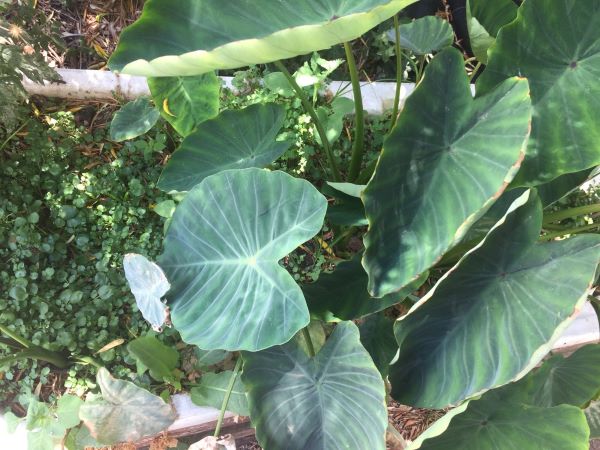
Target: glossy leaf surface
{"x":148,"y":285}
{"x":538,"y":401}
{"x":133,"y":119}
{"x":484,"y":20}
{"x":494,"y":424}
{"x":186,"y":102}
{"x":559,"y":53}
{"x":574,"y":380}
{"x":203,"y":35}
{"x":212,"y":390}
{"x":495,"y":315}
{"x":335,"y":400}
{"x":343,"y":295}
{"x":221,"y":255}
{"x":236,"y":139}
{"x":125,"y":413}
{"x":446,"y":161}
{"x":425,"y":35}
{"x":559,"y":187}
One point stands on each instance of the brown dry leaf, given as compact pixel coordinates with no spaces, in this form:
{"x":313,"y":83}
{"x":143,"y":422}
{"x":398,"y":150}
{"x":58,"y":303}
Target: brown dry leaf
{"x":110,"y":345}
{"x":163,"y":442}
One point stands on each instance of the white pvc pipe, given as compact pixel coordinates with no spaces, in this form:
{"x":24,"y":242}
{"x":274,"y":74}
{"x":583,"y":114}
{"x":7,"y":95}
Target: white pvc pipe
{"x":378,"y":97}
{"x":90,"y":85}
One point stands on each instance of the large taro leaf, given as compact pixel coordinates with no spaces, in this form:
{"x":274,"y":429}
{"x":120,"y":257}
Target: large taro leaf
{"x":574,"y":380}
{"x":425,"y":35}
{"x":212,"y":389}
{"x":343,"y":295}
{"x":133,"y":119}
{"x":446,"y":161}
{"x":148,"y":285}
{"x":493,"y":316}
{"x":186,"y":102}
{"x":125,"y":413}
{"x":525,"y":414}
{"x":559,"y":53}
{"x":492,"y":423}
{"x":484,"y":20}
{"x":221,"y":255}
{"x":334,"y":400}
{"x":199,"y":36}
{"x":235,"y":139}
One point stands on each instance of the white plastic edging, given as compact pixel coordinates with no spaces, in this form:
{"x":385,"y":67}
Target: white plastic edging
{"x":190,"y":415}
{"x":97,"y":85}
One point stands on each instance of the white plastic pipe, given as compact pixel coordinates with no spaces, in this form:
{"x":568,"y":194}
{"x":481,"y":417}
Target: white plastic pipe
{"x":90,"y":85}
{"x":104,"y":85}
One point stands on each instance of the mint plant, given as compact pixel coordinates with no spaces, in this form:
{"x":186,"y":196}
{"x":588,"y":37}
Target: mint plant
{"x":456,"y":174}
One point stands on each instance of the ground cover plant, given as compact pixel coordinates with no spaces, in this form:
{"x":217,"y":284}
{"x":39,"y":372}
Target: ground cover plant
{"x":464,"y":184}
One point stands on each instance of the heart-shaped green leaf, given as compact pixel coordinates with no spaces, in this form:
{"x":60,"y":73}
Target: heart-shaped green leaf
{"x":148,"y":285}
{"x":160,"y":359}
{"x":221,"y":256}
{"x":343,"y":295}
{"x":212,"y":389}
{"x":495,"y":315}
{"x":334,"y":400}
{"x":186,"y":102}
{"x":484,"y":20}
{"x":133,"y":119}
{"x":559,"y":53}
{"x":492,"y":423}
{"x":235,"y":139}
{"x":198,"y":36}
{"x":446,"y":161}
{"x":574,"y":380}
{"x":539,"y":420}
{"x":125,"y":413}
{"x":425,"y":35}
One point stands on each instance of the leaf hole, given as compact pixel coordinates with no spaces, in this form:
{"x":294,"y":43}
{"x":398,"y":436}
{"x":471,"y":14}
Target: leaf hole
{"x":573,"y":65}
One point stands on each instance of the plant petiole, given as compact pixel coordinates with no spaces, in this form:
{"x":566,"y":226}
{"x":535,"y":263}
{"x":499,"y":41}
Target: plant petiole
{"x":571,"y":212}
{"x":359,"y":119}
{"x":313,"y":114}
{"x":399,"y":73}
{"x":309,"y":342}
{"x":234,"y":375}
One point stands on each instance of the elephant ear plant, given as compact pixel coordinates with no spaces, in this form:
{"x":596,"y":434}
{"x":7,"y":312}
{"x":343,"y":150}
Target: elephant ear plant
{"x":457,"y":173}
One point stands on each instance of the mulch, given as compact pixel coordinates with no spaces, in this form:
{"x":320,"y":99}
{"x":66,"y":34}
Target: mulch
{"x":90,"y":29}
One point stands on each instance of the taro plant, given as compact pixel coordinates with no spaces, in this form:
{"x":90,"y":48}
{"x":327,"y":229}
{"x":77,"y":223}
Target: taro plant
{"x":460,"y":184}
